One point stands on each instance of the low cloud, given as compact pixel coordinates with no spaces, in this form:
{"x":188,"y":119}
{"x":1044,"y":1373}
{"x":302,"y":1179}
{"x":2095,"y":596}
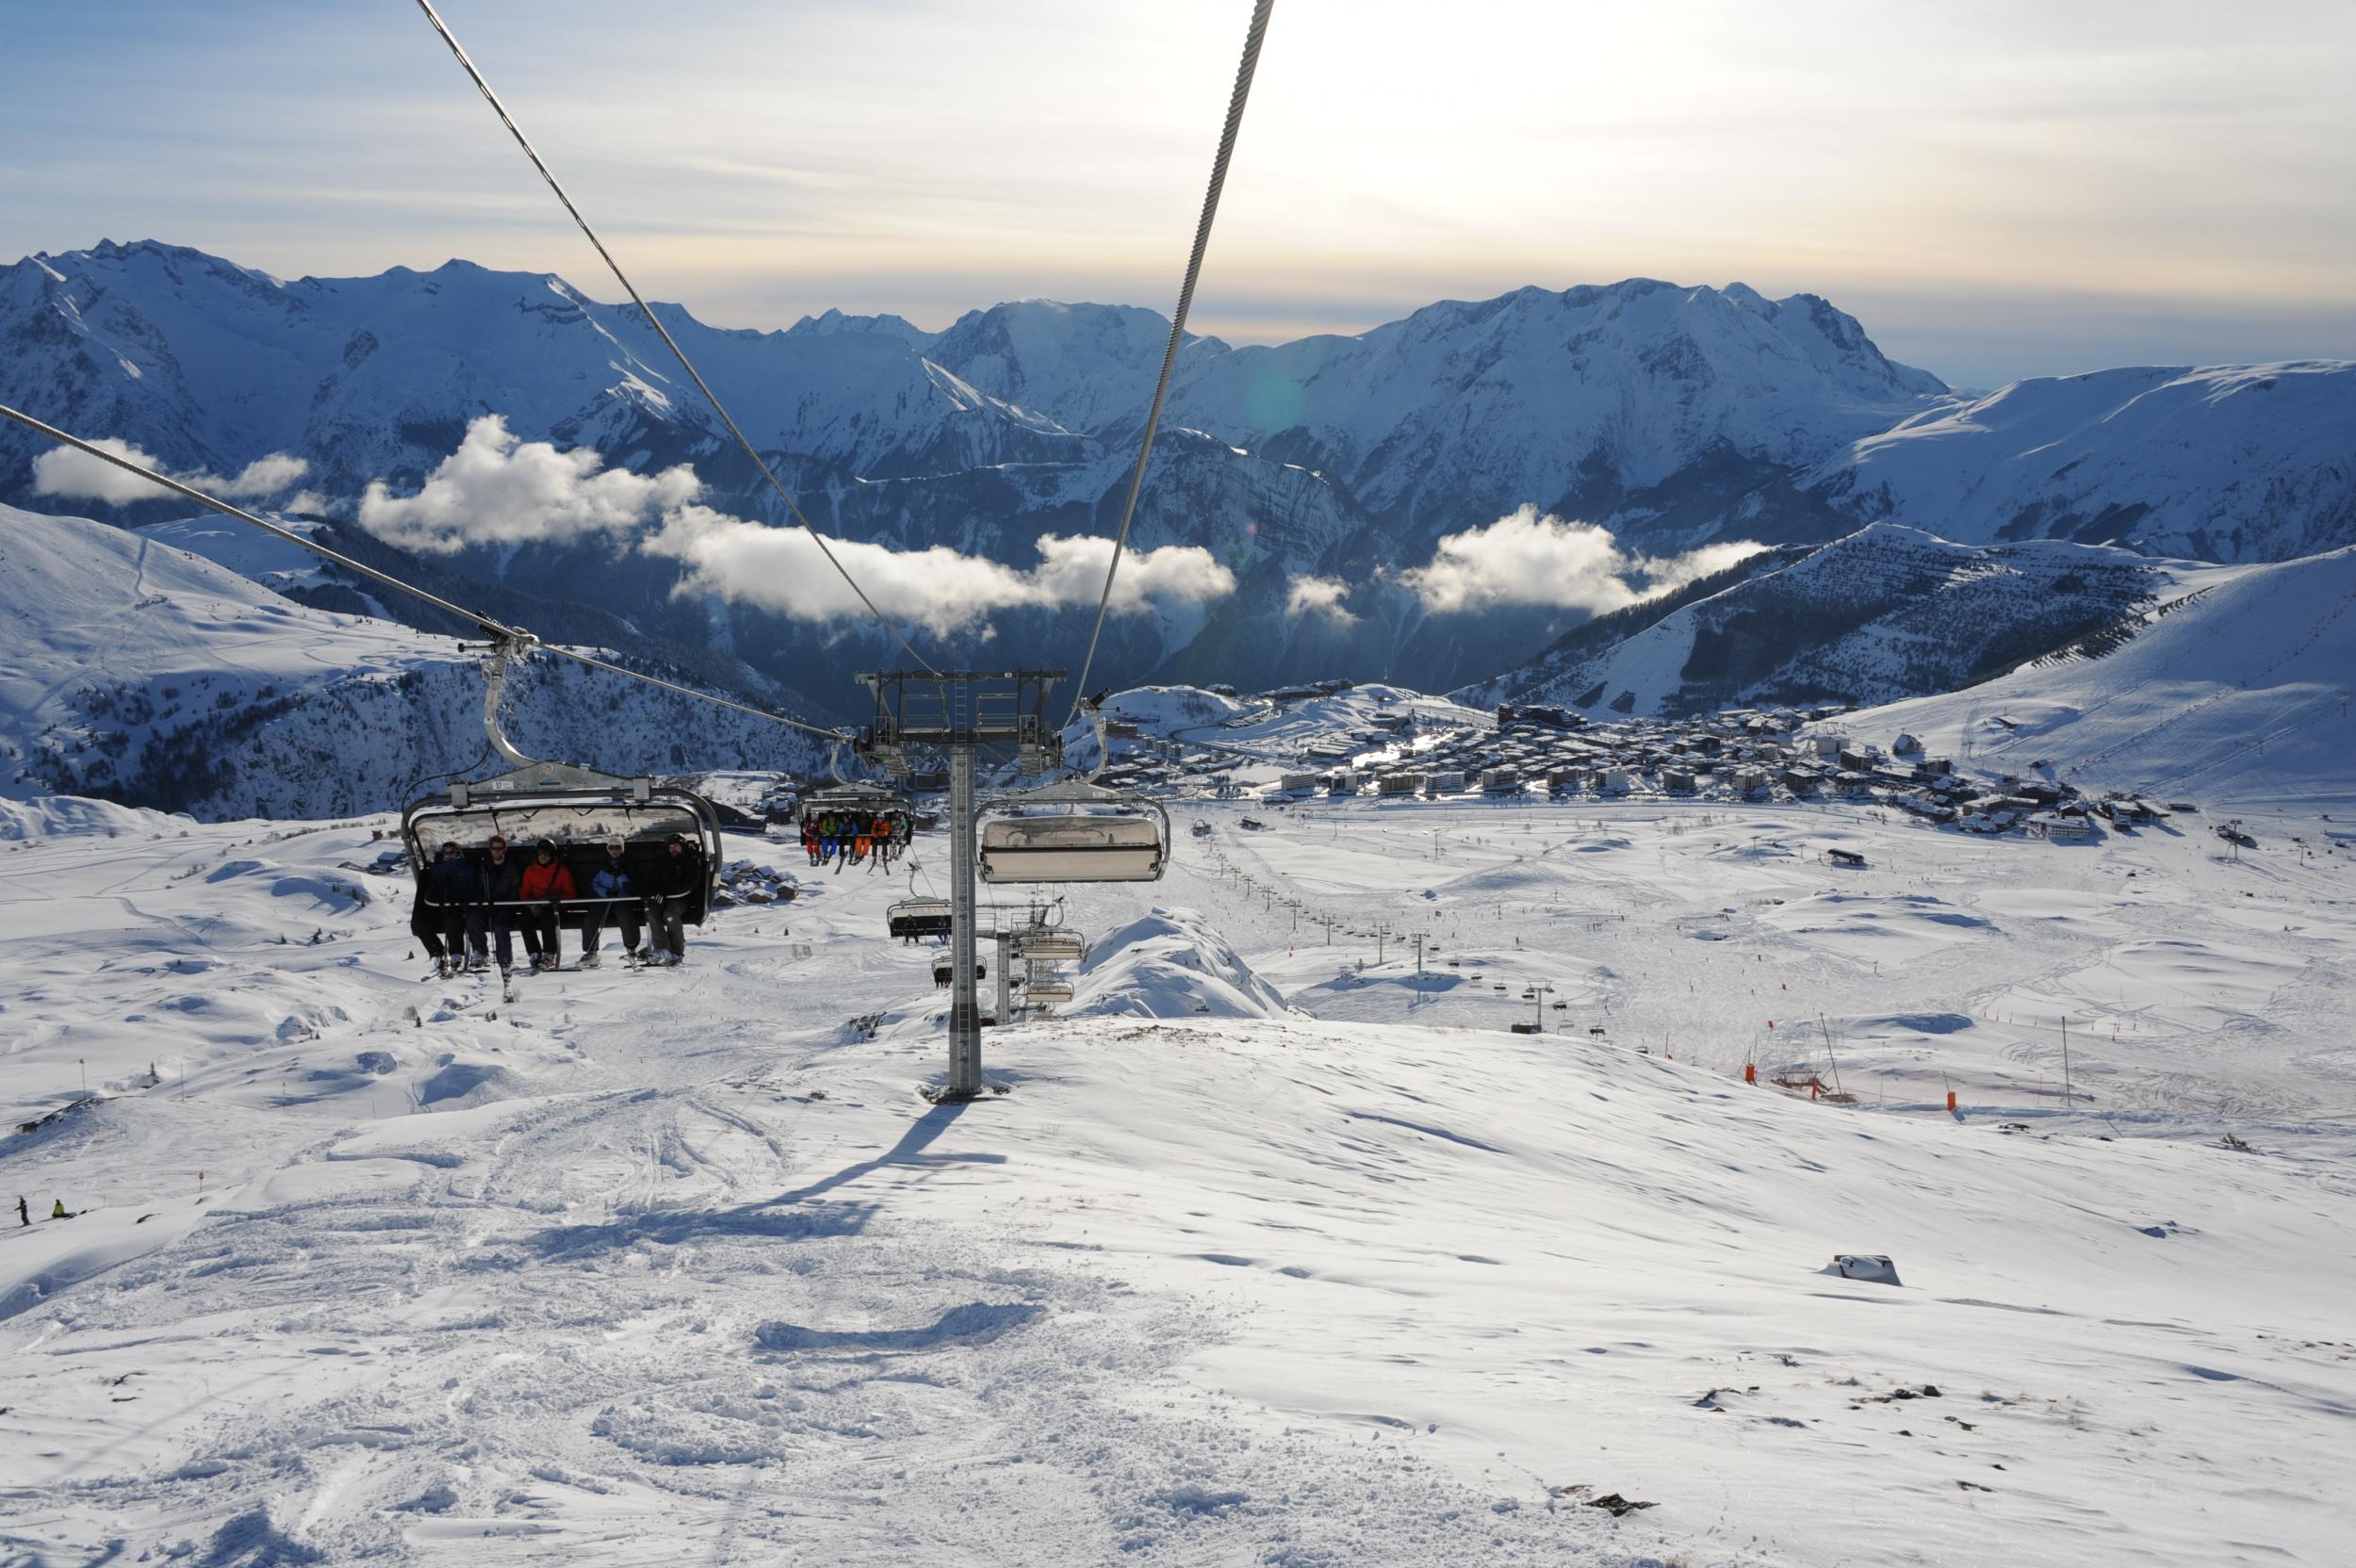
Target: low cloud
{"x":944,"y":591}
{"x":1526,"y":558}
{"x":1319,"y":596}
{"x":76,"y":475}
{"x":498,"y":489}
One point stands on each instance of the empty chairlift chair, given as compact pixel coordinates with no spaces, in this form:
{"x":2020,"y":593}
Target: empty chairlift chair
{"x":1051,"y":947}
{"x":1074,"y":832}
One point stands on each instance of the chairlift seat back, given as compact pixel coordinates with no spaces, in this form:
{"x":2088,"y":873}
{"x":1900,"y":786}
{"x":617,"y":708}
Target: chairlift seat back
{"x":1073,"y":848}
{"x":919,"y":917}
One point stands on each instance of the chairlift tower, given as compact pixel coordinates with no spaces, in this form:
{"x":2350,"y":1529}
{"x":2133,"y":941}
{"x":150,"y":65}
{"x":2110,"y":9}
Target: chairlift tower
{"x":960,"y":712}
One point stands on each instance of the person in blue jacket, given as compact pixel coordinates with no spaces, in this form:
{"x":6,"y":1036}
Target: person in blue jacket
{"x":611,"y":880}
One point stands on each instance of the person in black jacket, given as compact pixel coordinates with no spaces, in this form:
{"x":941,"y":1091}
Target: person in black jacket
{"x":496,"y":898}
{"x":444,"y":908}
{"x":671,"y":887}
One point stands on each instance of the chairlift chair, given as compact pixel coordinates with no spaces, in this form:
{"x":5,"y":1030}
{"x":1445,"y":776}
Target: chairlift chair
{"x":1050,"y":946}
{"x":912,"y":918}
{"x":857,"y":822}
{"x":946,"y":969}
{"x":577,"y":807}
{"x":1074,"y":832}
{"x":1041,"y":993}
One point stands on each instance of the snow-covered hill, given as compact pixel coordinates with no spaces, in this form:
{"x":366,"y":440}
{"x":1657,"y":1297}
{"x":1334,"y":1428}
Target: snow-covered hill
{"x":149,"y":675}
{"x":2220,"y":463}
{"x":2238,"y":689}
{"x":1885,"y":613}
{"x":652,"y":1267}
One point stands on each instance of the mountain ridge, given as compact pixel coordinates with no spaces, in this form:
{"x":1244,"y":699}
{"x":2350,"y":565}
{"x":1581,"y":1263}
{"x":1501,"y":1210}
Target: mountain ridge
{"x":1673,"y":416}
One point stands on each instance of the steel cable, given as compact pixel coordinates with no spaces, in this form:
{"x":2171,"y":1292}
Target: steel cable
{"x":497,"y":630}
{"x":661,"y":331}
{"x":1253,"y":37}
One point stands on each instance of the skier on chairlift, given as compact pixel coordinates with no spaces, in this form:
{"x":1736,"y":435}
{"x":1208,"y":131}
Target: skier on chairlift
{"x":611,"y":880}
{"x":671,"y":884}
{"x":441,"y":916}
{"x":494,"y":909}
{"x":543,"y":886}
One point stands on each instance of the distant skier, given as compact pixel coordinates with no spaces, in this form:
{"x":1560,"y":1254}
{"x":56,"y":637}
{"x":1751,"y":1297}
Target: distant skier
{"x":440,"y":918}
{"x":543,"y":886}
{"x":57,"y":1210}
{"x":671,"y":886}
{"x":611,"y":880}
{"x":495,"y":908}
{"x":24,"y":1214}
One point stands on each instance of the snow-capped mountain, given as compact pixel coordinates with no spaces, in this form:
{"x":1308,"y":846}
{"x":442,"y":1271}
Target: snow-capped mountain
{"x":2222,"y":463}
{"x":1576,"y":402}
{"x":1886,"y":613}
{"x":1672,"y":416}
{"x":145,"y":674}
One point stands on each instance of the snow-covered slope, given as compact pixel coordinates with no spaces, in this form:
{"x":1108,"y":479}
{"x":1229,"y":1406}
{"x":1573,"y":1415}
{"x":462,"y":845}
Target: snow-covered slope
{"x":2220,"y":463}
{"x":2236,"y":689}
{"x":145,"y":673}
{"x":1883,"y":614}
{"x":653,"y":1266}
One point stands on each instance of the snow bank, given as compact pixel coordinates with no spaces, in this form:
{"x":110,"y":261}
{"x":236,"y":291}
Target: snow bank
{"x":1170,"y":964}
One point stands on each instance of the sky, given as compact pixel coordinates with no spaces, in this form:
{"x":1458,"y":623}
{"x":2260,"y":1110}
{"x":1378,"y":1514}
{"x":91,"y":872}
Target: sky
{"x":1997,"y":191}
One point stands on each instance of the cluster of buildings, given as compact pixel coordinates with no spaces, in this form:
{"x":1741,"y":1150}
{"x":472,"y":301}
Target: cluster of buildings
{"x":1738,"y":755}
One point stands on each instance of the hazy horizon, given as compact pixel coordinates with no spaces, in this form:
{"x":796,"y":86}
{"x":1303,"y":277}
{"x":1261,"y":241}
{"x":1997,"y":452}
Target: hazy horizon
{"x":1994,"y":194}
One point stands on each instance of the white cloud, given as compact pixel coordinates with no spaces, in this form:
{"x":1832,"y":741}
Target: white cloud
{"x":1528,"y":559}
{"x":70,"y":472}
{"x":781,"y":570}
{"x":1319,"y":596}
{"x":498,"y":489}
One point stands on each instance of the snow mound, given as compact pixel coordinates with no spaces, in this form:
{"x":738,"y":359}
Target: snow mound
{"x":1172,"y":964}
{"x":1164,"y":709}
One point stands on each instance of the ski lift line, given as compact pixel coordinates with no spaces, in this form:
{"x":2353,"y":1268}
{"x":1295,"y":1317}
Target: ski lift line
{"x":1253,"y":36}
{"x":613,"y":267}
{"x":498,"y":631}
{"x":482,"y":622}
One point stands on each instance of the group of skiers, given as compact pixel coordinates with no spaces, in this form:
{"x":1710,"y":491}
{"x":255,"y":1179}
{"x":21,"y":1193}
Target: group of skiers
{"x":468,"y":908}
{"x":847,"y":838}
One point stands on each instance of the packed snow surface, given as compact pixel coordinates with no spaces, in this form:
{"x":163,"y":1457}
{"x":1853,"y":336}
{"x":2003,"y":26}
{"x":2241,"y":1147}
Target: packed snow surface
{"x":678,"y":1265}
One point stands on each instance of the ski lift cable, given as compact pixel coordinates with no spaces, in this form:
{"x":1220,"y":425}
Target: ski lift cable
{"x":1253,"y":39}
{"x":711,"y":397}
{"x":497,"y":630}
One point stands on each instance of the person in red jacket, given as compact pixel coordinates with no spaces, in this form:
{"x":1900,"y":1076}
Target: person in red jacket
{"x":545,"y":886}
